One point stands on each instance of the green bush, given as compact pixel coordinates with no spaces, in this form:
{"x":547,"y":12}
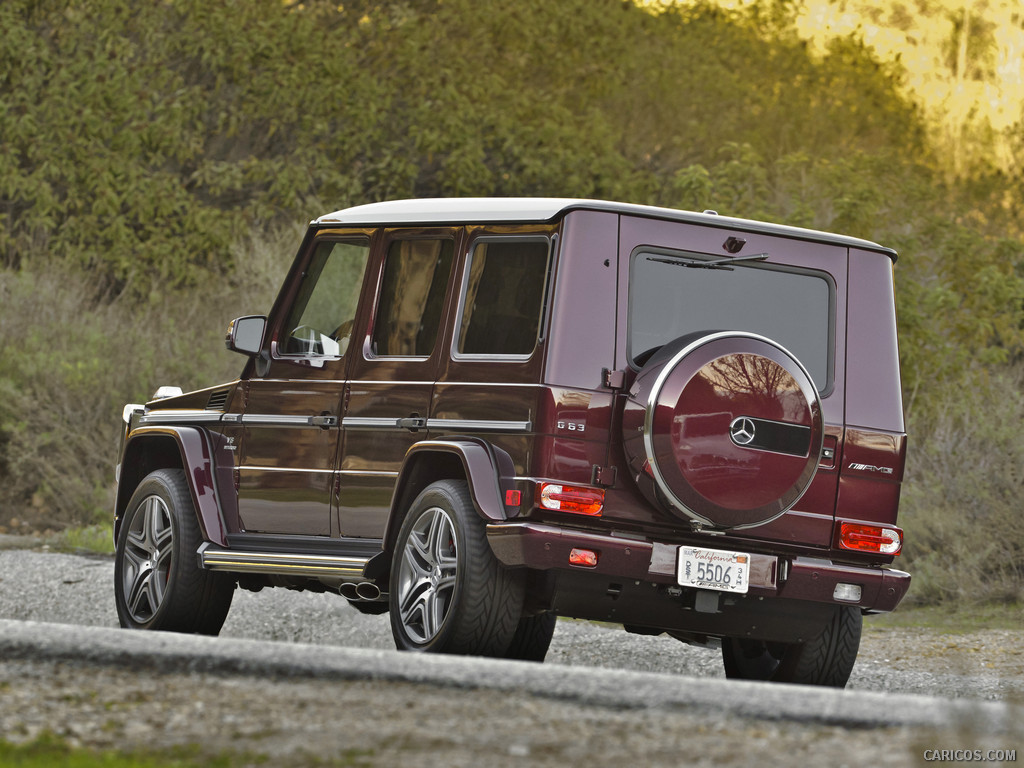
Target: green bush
{"x":69,"y":362}
{"x":961,"y":507}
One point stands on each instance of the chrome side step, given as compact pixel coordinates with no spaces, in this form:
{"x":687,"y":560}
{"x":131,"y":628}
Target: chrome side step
{"x":216,"y":559}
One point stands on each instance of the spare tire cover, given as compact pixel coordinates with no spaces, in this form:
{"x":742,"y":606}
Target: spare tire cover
{"x":725,"y":428}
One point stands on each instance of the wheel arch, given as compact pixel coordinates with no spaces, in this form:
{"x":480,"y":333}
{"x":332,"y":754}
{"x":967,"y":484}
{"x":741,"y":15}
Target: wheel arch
{"x":148,"y":449}
{"x":487,"y":469}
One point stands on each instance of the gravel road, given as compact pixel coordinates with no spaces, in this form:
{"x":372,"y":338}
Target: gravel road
{"x":374,"y":723}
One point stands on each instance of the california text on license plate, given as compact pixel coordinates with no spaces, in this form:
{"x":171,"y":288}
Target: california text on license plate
{"x":714,"y":569}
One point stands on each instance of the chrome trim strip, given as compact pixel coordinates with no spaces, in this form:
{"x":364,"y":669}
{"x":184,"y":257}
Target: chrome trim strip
{"x":462,"y":357}
{"x":180,"y":417}
{"x":370,"y":422}
{"x":257,"y":468}
{"x":283,"y":563}
{"x":490,"y":384}
{"x":346,"y":472}
{"x":479,"y":425}
{"x":442,"y":382}
{"x":275,"y":420}
{"x":298,"y":380}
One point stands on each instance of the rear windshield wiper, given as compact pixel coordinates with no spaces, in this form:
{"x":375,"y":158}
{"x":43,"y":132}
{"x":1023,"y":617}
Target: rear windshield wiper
{"x":693,"y":263}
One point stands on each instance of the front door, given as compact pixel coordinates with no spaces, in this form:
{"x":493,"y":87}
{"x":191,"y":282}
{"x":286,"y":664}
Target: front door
{"x":292,"y":414}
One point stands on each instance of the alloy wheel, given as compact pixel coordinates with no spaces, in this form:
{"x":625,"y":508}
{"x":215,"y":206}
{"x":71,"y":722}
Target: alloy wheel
{"x":147,"y":559}
{"x":427,"y":576}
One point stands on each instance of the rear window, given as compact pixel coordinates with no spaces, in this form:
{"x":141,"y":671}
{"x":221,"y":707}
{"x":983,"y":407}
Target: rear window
{"x":792,"y":307}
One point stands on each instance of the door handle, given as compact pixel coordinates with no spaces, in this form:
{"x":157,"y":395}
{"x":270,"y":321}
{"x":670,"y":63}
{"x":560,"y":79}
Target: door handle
{"x":325,"y":420}
{"x":412,"y":423}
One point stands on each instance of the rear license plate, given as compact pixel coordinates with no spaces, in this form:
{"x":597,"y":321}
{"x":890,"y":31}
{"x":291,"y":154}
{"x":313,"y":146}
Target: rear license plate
{"x":713,"y":569}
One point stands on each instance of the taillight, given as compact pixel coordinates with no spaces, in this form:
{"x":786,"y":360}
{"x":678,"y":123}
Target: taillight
{"x":880,"y":540}
{"x":571,"y":498}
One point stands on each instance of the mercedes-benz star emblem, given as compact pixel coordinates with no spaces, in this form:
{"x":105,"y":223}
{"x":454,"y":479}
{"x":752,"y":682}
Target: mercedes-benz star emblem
{"x":742,"y":431}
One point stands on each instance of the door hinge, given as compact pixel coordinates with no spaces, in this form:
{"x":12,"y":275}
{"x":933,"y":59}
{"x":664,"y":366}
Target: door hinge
{"x":603,"y":476}
{"x":613,"y":379}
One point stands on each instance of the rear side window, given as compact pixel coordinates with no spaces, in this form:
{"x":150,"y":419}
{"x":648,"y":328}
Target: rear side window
{"x":412,"y":295}
{"x":792,"y":307}
{"x":503,"y":297}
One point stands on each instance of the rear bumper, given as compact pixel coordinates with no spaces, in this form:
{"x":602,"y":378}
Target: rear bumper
{"x":802,"y":579}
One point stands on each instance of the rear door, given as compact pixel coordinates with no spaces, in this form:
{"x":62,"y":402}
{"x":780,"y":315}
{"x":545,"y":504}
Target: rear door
{"x":393,"y":371}
{"x":489,"y":386}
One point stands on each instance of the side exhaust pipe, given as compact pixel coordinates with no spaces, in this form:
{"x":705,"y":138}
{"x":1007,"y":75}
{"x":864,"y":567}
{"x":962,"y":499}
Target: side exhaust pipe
{"x":364,"y":591}
{"x":368,"y":591}
{"x":348,"y":591}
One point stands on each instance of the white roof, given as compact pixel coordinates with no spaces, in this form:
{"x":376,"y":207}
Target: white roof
{"x":522,"y":210}
{"x":447,"y":209}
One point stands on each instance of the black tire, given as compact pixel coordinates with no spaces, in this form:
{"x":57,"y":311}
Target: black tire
{"x":158,"y":583}
{"x":448,"y":593}
{"x":532,"y":638}
{"x":826,"y":660}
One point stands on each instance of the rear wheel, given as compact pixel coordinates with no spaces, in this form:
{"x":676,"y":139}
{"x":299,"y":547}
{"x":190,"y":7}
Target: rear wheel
{"x":532,"y":638}
{"x":158,"y":583}
{"x":827,"y":659}
{"x":448,"y":592}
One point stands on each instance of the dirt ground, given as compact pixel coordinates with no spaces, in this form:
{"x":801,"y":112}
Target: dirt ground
{"x":320,"y":723}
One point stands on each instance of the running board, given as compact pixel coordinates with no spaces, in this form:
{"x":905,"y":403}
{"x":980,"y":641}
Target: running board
{"x":215,"y":559}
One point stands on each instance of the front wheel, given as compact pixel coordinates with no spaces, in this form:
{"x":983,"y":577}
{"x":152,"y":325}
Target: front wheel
{"x":157,"y":582}
{"x":827,"y":659}
{"x":448,"y":592}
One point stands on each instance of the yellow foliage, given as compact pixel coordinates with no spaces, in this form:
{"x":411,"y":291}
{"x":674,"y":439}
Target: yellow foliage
{"x":963,"y":63}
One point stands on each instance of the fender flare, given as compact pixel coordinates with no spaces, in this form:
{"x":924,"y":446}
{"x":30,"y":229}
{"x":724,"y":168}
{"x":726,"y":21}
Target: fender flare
{"x":488,"y":469}
{"x":154,"y":447}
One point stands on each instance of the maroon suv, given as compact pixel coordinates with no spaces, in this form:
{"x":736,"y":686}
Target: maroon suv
{"x":480,"y":414}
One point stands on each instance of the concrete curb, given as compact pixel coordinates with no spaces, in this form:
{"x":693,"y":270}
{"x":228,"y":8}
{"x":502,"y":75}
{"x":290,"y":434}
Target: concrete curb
{"x":616,"y":689}
{"x":19,"y":541}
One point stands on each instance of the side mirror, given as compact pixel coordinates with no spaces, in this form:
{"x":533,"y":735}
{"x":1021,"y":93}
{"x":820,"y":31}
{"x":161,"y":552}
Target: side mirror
{"x":245,"y":334}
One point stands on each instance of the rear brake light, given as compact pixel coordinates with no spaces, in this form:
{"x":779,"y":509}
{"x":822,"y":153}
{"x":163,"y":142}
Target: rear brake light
{"x":871,"y":538}
{"x":571,"y":498}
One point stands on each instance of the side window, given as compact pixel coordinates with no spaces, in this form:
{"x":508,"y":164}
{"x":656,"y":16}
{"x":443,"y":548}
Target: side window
{"x":412,"y":296}
{"x":320,"y":321}
{"x":503,"y":297}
